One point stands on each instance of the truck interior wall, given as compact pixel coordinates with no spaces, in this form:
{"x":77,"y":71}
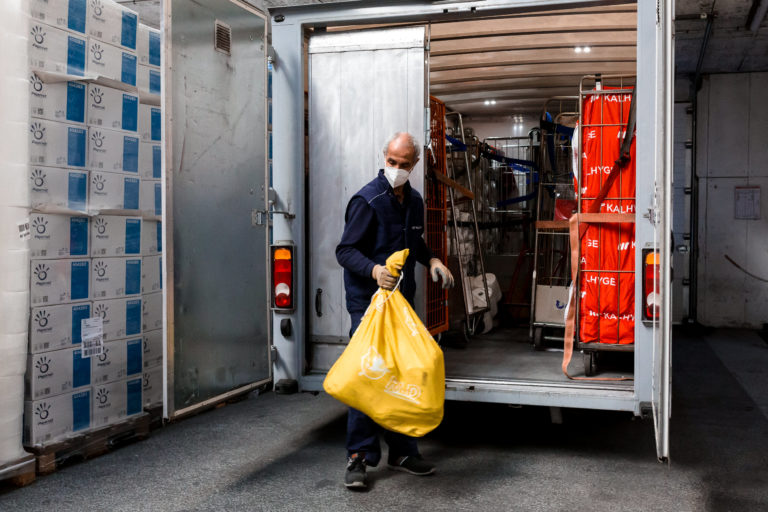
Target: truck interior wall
{"x":732,"y":154}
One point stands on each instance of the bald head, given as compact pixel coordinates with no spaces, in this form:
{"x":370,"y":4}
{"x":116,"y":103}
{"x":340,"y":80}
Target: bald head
{"x":402,"y":151}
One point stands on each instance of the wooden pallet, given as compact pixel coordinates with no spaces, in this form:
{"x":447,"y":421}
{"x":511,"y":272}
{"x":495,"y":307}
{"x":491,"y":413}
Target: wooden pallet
{"x":19,"y":473}
{"x":90,"y":444}
{"x":155,"y":416}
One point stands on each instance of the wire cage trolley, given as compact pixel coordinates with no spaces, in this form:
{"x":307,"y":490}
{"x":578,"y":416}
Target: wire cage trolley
{"x":606,"y":270}
{"x":556,"y":203}
{"x":466,"y":243}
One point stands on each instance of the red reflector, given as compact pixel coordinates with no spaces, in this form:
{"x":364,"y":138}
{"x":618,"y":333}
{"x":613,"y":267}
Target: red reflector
{"x":282,"y":277}
{"x":651,"y":280}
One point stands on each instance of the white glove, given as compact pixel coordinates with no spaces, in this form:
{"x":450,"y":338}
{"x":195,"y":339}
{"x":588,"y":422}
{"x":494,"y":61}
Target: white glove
{"x":436,"y":268}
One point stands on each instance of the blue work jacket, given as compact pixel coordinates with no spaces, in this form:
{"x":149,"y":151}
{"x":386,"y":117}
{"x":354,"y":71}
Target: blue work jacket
{"x":377,"y":225}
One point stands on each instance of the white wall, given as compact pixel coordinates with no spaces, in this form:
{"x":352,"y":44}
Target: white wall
{"x":732,"y":151}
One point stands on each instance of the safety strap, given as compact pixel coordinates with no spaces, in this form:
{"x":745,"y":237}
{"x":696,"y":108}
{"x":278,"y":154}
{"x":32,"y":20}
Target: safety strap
{"x":570,"y":319}
{"x":577,"y":229}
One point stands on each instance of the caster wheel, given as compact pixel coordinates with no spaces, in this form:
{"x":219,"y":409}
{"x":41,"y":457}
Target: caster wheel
{"x":590,"y":363}
{"x":538,"y":339}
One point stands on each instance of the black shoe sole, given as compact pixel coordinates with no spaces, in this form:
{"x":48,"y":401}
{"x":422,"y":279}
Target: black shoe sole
{"x":410,"y":472}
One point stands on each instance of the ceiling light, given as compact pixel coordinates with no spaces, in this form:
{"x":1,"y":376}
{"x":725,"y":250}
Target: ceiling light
{"x":587,"y":49}
{"x":577,"y":49}
{"x":486,"y":102}
{"x":493,"y":102}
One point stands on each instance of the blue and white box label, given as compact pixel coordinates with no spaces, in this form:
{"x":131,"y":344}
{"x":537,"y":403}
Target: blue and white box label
{"x":58,"y":236}
{"x":56,"y":144}
{"x":113,"y":151}
{"x":54,"y":418}
{"x":150,"y":123}
{"x":121,"y":318}
{"x":56,"y":372}
{"x":111,"y":62}
{"x":112,"y":23}
{"x":60,"y":101}
{"x":152,"y":274}
{"x":56,"y":327}
{"x":150,"y":161}
{"x":112,"y":108}
{"x":64,"y":14}
{"x":152,"y":311}
{"x":54,"y":50}
{"x":116,"y":277}
{"x":113,"y":235}
{"x":54,"y":188}
{"x":113,"y":191}
{"x":59,"y":281}
{"x":148,"y":45}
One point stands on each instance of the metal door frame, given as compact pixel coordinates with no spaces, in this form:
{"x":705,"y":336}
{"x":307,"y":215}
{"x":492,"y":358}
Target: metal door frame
{"x":288,"y":25}
{"x":169,"y":410}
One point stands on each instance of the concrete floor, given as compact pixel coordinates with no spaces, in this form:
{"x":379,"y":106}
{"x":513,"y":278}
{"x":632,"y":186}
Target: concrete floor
{"x":287,"y":453}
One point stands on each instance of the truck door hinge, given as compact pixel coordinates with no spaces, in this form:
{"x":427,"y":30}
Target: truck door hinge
{"x":652,"y":215}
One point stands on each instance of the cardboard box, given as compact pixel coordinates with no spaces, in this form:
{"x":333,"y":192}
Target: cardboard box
{"x":59,"y":281}
{"x":122,"y":318}
{"x":120,"y":360}
{"x":151,"y":197}
{"x":113,"y":191}
{"x":56,"y":144}
{"x":117,"y":401}
{"x":152,"y":274}
{"x":58,"y":236}
{"x":55,"y":418}
{"x":114,"y":235}
{"x":52,"y":187}
{"x":150,"y":160}
{"x":113,"y":151}
{"x":148,"y":44}
{"x":148,"y":80}
{"x":111,"y":62}
{"x":56,"y":372}
{"x":113,"y":278}
{"x":152,"y":311}
{"x":153,"y":386}
{"x":150,"y":123}
{"x":151,"y":237}
{"x":60,"y":101}
{"x":63,"y":14}
{"x":153,"y":348}
{"x":112,"y":23}
{"x":112,"y":108}
{"x":54,"y":50}
{"x":56,"y":327}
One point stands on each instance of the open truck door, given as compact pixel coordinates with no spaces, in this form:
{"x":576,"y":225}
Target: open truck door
{"x":216,"y":268}
{"x":661,"y":216}
{"x":363,"y":87}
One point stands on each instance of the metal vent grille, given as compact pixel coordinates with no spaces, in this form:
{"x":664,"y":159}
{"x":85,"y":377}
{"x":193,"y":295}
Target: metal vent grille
{"x":223,"y":38}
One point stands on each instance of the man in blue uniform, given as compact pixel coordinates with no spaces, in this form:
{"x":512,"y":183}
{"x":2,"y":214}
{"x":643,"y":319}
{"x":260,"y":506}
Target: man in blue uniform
{"x":385,"y":216}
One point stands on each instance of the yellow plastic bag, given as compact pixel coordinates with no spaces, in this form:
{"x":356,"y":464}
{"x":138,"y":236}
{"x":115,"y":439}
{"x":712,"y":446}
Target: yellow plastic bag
{"x":392,"y":370}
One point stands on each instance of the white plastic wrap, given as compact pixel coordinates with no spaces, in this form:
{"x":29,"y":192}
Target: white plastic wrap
{"x":14,"y":202}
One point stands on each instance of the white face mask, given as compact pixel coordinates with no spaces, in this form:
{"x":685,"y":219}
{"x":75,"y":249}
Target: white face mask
{"x":396,"y":177}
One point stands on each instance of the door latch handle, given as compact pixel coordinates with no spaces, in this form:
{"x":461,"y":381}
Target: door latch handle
{"x":318,"y":302}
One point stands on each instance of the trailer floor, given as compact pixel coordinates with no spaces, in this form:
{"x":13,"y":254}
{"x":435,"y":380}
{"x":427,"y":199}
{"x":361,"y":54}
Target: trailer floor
{"x":508,"y":354}
{"x":287,"y":453}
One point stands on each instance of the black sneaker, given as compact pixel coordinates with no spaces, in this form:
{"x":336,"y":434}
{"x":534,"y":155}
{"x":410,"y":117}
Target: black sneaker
{"x":412,"y":464}
{"x":354,"y":476}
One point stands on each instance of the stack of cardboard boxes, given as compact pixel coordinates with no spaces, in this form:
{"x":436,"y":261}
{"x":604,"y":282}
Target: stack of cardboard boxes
{"x":95,"y":246}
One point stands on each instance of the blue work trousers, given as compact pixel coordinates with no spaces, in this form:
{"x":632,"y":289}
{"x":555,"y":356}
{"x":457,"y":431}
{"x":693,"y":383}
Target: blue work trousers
{"x":363,"y":432}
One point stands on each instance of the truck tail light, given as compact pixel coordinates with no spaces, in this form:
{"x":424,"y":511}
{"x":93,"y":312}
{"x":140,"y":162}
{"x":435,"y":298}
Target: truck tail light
{"x":651,"y":283}
{"x":282,"y":277}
